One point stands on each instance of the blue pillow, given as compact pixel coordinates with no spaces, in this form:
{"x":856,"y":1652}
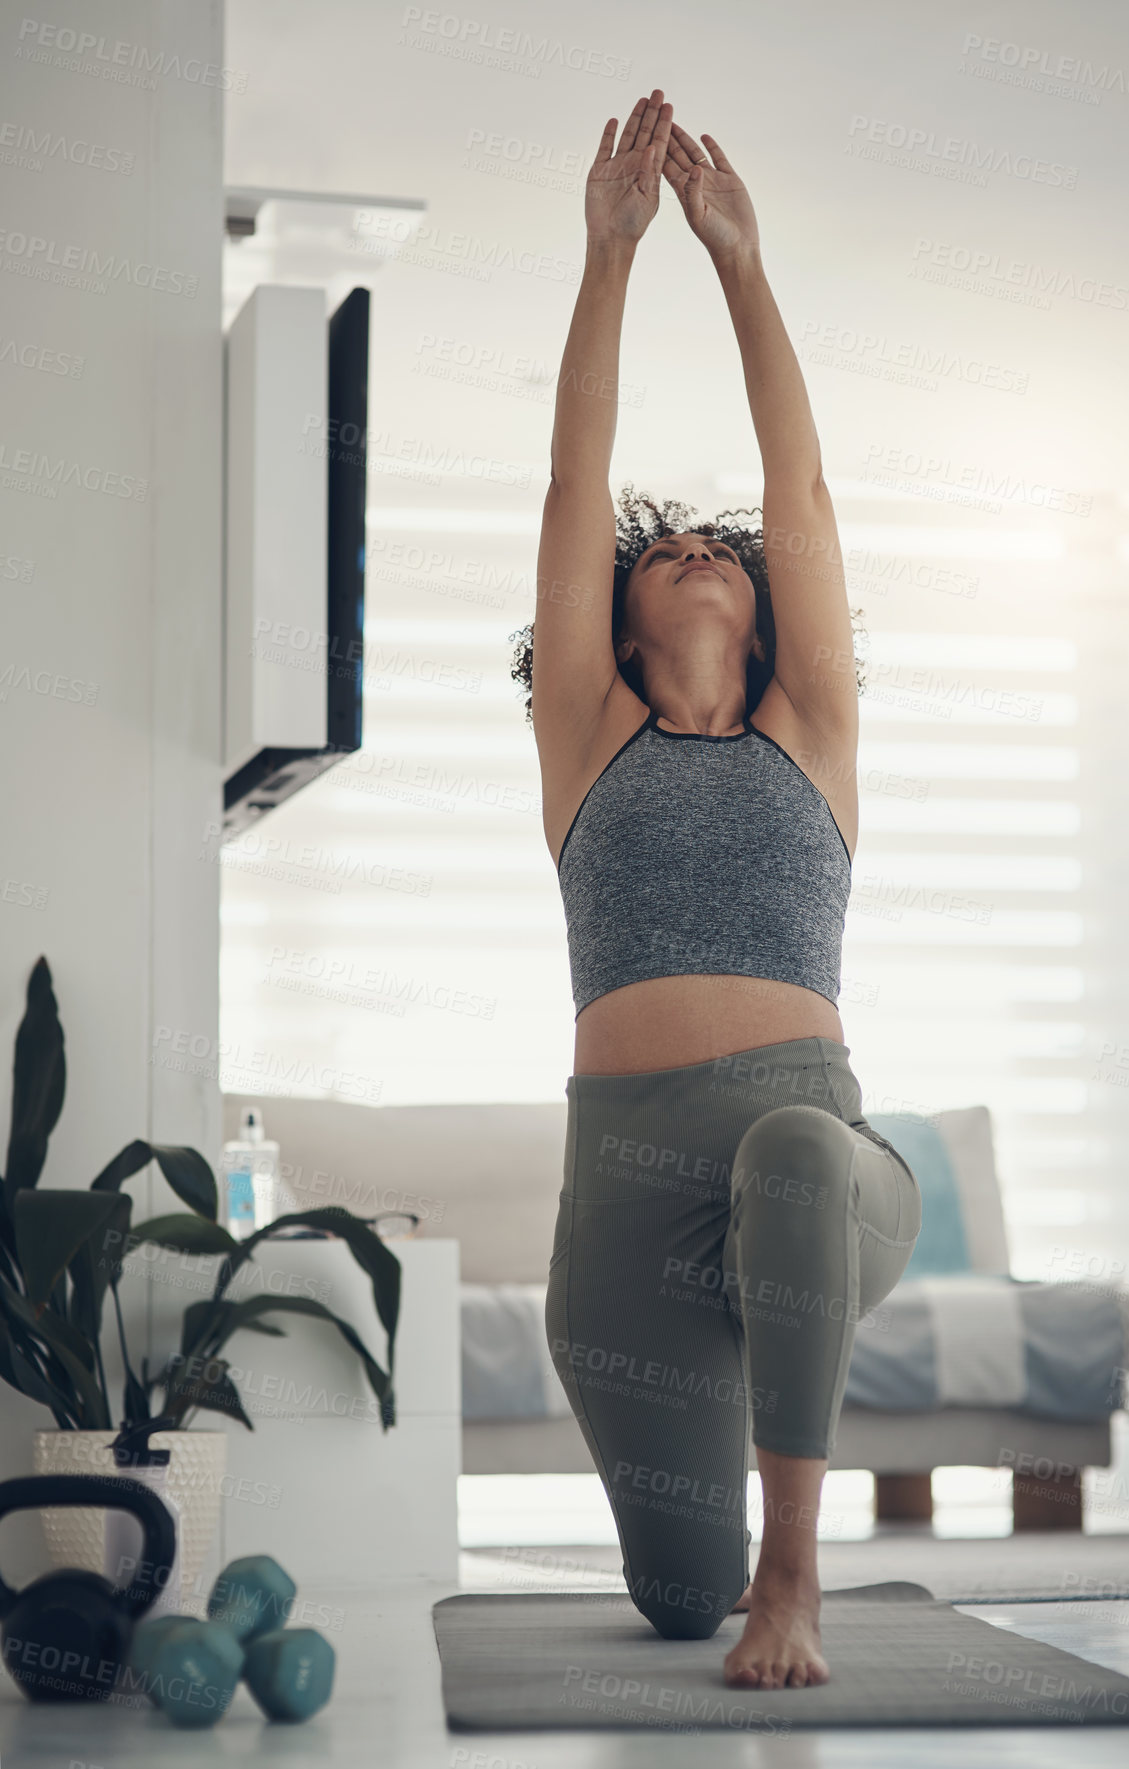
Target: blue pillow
{"x":942,"y":1245}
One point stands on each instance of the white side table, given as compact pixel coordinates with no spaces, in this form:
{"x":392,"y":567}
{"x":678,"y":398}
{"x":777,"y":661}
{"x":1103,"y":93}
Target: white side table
{"x":319,"y":1483}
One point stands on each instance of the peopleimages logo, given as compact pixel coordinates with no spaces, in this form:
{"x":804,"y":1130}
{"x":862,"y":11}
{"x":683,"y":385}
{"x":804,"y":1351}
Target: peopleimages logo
{"x":39,"y":356}
{"x":125,"y":63}
{"x":45,"y":471}
{"x":49,"y":261}
{"x":981,"y":268}
{"x":22,"y":139}
{"x":946,"y":151}
{"x":506,"y":48}
{"x":1027,"y":64}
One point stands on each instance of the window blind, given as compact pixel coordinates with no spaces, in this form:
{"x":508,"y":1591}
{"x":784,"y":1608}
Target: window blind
{"x":395,"y":934}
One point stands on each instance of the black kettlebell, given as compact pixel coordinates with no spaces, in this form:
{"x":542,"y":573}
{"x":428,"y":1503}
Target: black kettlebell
{"x":66,"y":1635}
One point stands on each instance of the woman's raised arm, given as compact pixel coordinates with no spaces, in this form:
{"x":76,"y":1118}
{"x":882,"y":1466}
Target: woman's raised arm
{"x":815,"y":659}
{"x":620,"y":200}
{"x":573,"y":660}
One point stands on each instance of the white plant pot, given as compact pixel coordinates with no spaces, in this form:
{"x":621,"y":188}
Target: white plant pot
{"x":75,"y":1534}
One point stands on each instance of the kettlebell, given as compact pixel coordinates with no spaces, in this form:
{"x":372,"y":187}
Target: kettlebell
{"x":66,"y":1635}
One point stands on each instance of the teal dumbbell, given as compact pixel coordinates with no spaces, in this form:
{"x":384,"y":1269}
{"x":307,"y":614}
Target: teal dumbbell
{"x":249,"y":1597}
{"x":147,"y":1636}
{"x":289,"y":1672}
{"x":252,"y":1596}
{"x":190,"y":1668}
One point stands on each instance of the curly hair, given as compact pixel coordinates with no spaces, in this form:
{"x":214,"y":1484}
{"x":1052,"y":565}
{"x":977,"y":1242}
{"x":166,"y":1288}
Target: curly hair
{"x":640,"y":523}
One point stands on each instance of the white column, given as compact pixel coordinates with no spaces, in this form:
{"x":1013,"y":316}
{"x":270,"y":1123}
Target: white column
{"x":111,"y":236}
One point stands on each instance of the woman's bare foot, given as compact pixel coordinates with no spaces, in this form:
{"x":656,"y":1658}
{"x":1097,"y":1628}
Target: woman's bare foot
{"x":780,"y":1646}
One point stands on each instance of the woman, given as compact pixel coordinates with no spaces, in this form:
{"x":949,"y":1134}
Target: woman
{"x":728,"y":1216}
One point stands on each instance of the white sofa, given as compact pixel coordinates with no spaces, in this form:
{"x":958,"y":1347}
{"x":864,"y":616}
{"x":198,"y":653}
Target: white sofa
{"x":490,"y":1176}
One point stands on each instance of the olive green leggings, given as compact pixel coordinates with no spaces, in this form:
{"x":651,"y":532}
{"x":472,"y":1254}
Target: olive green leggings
{"x":724,"y":1230}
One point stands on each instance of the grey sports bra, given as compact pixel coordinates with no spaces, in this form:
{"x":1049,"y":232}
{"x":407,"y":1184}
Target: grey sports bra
{"x":699,"y":855}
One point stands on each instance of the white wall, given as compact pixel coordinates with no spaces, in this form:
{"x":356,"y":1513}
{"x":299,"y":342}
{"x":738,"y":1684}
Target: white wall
{"x":111,"y":637}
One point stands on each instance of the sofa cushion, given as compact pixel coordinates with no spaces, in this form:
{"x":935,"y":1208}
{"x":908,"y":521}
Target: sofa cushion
{"x":962,"y":1222}
{"x":941,"y":1245}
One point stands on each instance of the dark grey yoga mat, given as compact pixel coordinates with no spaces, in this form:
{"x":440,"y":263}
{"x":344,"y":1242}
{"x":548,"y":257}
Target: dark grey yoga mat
{"x":1052,"y":1566}
{"x":898,"y":1657}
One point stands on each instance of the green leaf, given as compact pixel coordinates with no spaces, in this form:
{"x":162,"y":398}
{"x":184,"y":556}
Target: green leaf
{"x":97,"y":1265}
{"x":375,"y":1257}
{"x":209,"y":1387}
{"x":135,"y":1401}
{"x":185,"y":1169}
{"x":21,"y":1320}
{"x":190,"y":1177}
{"x":372,"y":1254}
{"x":185,"y":1234}
{"x":39,"y":1076}
{"x":205,"y":1322}
{"x":65,"y":1344}
{"x":8,"y":1267}
{"x":23,"y":1376}
{"x":132,"y":1159}
{"x":244,"y":1313}
{"x":7,"y":1367}
{"x":51,"y":1226}
{"x":135,"y":1394}
{"x":76,"y":1343}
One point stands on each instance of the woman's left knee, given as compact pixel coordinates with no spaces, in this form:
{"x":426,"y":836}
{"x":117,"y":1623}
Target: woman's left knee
{"x":679,"y":1611}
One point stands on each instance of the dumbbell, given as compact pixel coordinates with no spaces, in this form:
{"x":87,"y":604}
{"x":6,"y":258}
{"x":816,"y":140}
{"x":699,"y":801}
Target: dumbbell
{"x":247,"y":1597}
{"x":191,"y":1668}
{"x":289,"y":1671}
{"x":252,"y":1596}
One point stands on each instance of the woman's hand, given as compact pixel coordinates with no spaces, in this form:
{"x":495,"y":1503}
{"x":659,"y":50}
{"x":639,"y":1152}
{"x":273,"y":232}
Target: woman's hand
{"x":622,"y":194}
{"x":714,"y":200}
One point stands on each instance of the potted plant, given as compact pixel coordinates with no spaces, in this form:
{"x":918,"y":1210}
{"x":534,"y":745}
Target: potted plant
{"x":62,"y":1250}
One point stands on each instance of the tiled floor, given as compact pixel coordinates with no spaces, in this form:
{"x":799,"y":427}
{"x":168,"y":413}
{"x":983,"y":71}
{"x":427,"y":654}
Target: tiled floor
{"x":386,"y":1712}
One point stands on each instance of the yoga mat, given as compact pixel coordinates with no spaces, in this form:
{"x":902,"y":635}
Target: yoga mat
{"x":1052,"y":1566}
{"x":898,"y":1657}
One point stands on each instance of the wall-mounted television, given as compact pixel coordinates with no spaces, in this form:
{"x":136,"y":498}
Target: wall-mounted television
{"x":296,"y":474}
